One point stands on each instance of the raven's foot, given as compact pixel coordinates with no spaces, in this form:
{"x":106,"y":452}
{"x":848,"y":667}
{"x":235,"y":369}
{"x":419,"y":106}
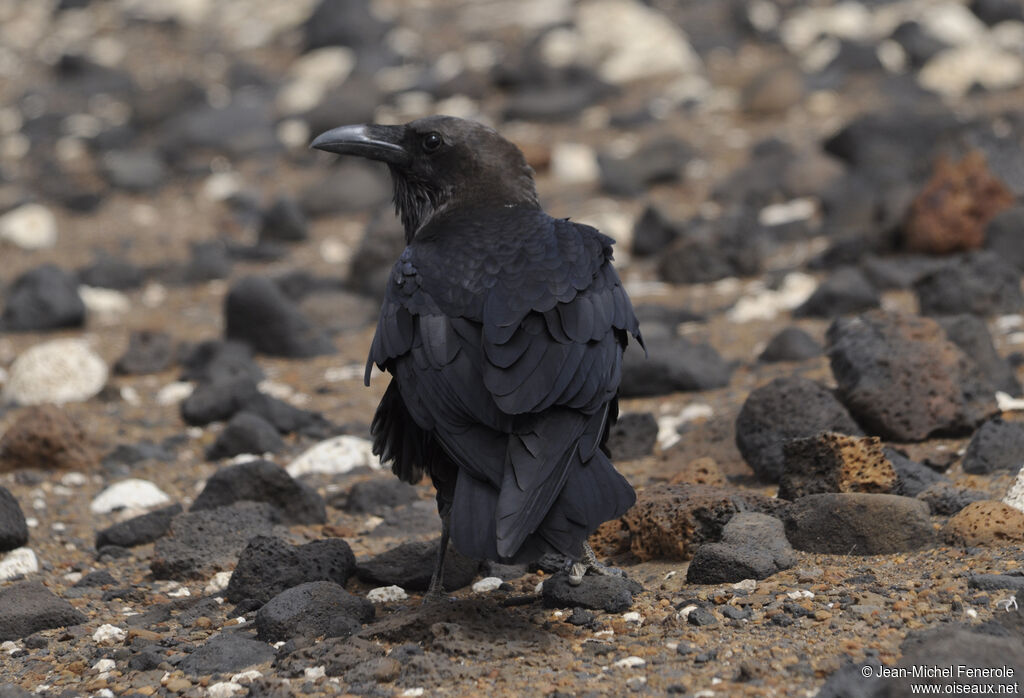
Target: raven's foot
{"x":589,"y":564}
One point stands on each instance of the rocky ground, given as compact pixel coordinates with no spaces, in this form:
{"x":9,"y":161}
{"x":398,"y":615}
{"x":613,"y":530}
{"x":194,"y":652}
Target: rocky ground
{"x":820,"y":217}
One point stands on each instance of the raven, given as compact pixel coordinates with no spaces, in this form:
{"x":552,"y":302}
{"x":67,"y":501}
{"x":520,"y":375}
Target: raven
{"x":503,"y":329}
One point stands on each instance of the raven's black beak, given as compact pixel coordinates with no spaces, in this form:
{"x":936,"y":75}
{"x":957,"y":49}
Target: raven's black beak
{"x":382,"y":143}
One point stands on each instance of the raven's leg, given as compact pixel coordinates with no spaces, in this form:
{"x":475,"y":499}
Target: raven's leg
{"x":589,"y":563}
{"x":435,"y":592}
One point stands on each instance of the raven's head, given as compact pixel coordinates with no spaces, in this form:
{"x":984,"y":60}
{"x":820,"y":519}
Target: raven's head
{"x":439,"y":163}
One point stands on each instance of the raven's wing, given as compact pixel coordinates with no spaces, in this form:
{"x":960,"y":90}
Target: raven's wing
{"x":505,"y":337}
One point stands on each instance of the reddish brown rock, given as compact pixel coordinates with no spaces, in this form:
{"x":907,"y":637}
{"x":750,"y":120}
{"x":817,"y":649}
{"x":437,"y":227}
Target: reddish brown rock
{"x":951,"y":212}
{"x":701,"y":471}
{"x":672,"y":521}
{"x":832,"y":462}
{"x":985,"y":523}
{"x":46,"y":438}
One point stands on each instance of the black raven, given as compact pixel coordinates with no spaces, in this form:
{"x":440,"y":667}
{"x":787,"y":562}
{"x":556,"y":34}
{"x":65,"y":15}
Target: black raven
{"x":503,"y":329}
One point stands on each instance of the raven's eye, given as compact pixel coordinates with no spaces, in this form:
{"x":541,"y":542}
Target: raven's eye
{"x":431,"y":142}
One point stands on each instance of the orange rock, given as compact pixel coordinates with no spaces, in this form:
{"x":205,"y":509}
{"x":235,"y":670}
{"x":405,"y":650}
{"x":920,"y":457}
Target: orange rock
{"x":985,"y":523}
{"x":702,"y":471}
{"x":46,"y":438}
{"x":831,"y":462}
{"x":951,"y":212}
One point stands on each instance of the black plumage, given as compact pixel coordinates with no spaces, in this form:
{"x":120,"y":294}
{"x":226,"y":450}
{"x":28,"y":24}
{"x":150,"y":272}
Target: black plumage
{"x":503,"y":329}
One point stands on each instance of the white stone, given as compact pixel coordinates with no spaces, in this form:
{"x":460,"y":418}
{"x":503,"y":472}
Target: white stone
{"x":747,"y":585}
{"x":312,"y":673}
{"x":219,"y":582}
{"x":487,"y":585}
{"x":74,"y":479}
{"x":1008,"y":403}
{"x":766,"y":304}
{"x":224,"y":689}
{"x":104,"y":693}
{"x":173,"y":393}
{"x":312,"y":76}
{"x":800,"y":594}
{"x":335,"y":456}
{"x":108,"y":634}
{"x":953,"y":23}
{"x":9,"y":647}
{"x":104,"y":665}
{"x":246,"y":676}
{"x":293,"y":133}
{"x":628,"y":41}
{"x":844,"y":20}
{"x":629,"y":663}
{"x":154,"y":295}
{"x":788,"y":212}
{"x":953,"y":71}
{"x":386,"y":594}
{"x":1015,"y":496}
{"x":413,"y":692}
{"x":128,"y":494}
{"x":30,"y":227}
{"x":221,"y":186}
{"x":633,"y":617}
{"x":18,"y":562}
{"x":668,"y":425}
{"x":574,"y":163}
{"x":107,"y":304}
{"x":179,"y":593}
{"x":58,"y":371}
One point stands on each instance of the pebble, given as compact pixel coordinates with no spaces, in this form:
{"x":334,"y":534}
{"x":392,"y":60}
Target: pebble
{"x":262,"y":481}
{"x":409,"y":565}
{"x":132,"y":493}
{"x":574,"y":163}
{"x":46,"y":437}
{"x":388,"y":594}
{"x":106,"y":304}
{"x":13,"y":527}
{"x":18,"y":562}
{"x":487,"y":584}
{"x":30,"y":227}
{"x":335,"y":456}
{"x":996,"y":445}
{"x":766,"y":304}
{"x":44,"y":298}
{"x":58,"y":371}
{"x":28,"y":607}
{"x":108,"y":634}
{"x":268,"y":566}
{"x":138,"y":530}
{"x":312,"y":609}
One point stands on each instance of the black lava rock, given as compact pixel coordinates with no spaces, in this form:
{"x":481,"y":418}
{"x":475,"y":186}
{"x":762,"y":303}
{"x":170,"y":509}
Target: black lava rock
{"x":858,"y":524}
{"x":917,"y":42}
{"x":243,"y":128}
{"x":785,"y":409}
{"x":945,"y":499}
{"x":791,"y":344}
{"x":409,"y":566}
{"x":660,"y":160}
{"x":268,"y":566}
{"x":149,"y":351}
{"x":995,"y":11}
{"x":13,"y":529}
{"x":284,"y":221}
{"x":653,"y":232}
{"x":343,"y":23}
{"x":980,"y":283}
{"x":226,"y":653}
{"x":134,"y":170}
{"x":311,"y":610}
{"x":633,"y":436}
{"x":203,"y":542}
{"x":95,"y":579}
{"x":263,"y":481}
{"x":1004,"y":235}
{"x":375,"y":496}
{"x":209,"y":261}
{"x":672,"y":364}
{"x":712,"y":250}
{"x":846,"y":291}
{"x":28,"y":607}
{"x":140,"y":529}
{"x":753,"y":546}
{"x":220,"y":400}
{"x":970,"y":333}
{"x":611,"y":593}
{"x":256,"y":312}
{"x":380,"y":246}
{"x":997,"y":445}
{"x":45,"y":298}
{"x":112,"y":272}
{"x":246,"y":433}
{"x":914,"y":477}
{"x":215,"y":360}
{"x":347,"y":187}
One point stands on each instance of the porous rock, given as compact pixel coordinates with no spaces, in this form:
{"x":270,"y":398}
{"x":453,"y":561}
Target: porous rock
{"x":858,"y":523}
{"x":753,"y":546}
{"x":311,"y":610}
{"x":409,"y":566}
{"x":263,"y":481}
{"x":268,"y":566}
{"x":611,"y":593}
{"x":830,"y":462}
{"x":28,"y":607}
{"x":985,"y":523}
{"x":45,"y":437}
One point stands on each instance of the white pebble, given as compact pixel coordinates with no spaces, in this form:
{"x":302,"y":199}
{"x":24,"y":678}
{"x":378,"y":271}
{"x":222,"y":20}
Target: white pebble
{"x":574,"y":163}
{"x":104,"y":693}
{"x":747,"y":585}
{"x":632,"y":617}
{"x":74,"y":479}
{"x":487,"y":584}
{"x":413,"y":692}
{"x":1008,"y":403}
{"x":386,"y":594}
{"x":685,"y":611}
{"x":335,"y":456}
{"x":106,"y":304}
{"x":58,"y":371}
{"x":179,"y":593}
{"x":246,"y":676}
{"x":128,"y":494}
{"x":9,"y":647}
{"x":224,"y":689}
{"x":800,"y":594}
{"x":108,"y":634}
{"x":788,"y":212}
{"x":18,"y":562}
{"x":104,"y":665}
{"x":629,"y":663}
{"x":312,"y":673}
{"x":218,"y":583}
{"x":30,"y":227}
{"x":766,"y":304}
{"x":1015,"y":496}
{"x":173,"y":393}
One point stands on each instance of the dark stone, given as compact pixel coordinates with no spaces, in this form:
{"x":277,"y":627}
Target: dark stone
{"x":374,"y":496}
{"x":979,"y":283}
{"x":134,"y":170}
{"x":220,"y":400}
{"x":712,"y":250}
{"x":898,"y":271}
{"x":701,"y":616}
{"x":127,"y":455}
{"x":633,"y":436}
{"x":9,"y":690}
{"x":846,"y":291}
{"x":919,"y":44}
{"x":226,"y":653}
{"x":420,"y":516}
{"x":140,"y":529}
{"x":736,"y":613}
{"x":902,"y":380}
{"x":1004,"y":235}
{"x":347,"y":187}
{"x":311,"y":610}
{"x":246,"y":433}
{"x":659,"y":160}
{"x":753,"y":546}
{"x":672,"y":364}
{"x":243,"y":128}
{"x":380,"y":246}
{"x":996,"y":582}
{"x":343,"y":23}
{"x":410,"y":565}
{"x":257,"y":313}
{"x":209,"y":261}
{"x":945,"y":499}
{"x":611,"y":593}
{"x":858,"y":524}
{"x":997,"y":445}
{"x":786,"y":409}
{"x":45,"y":298}
{"x":580,"y":617}
{"x":98,"y":578}
{"x":653,"y":232}
{"x":149,"y":351}
{"x":170,"y":97}
{"x":112,"y":272}
{"x":201,"y":543}
{"x":791,"y":344}
{"x":970,"y":333}
{"x":28,"y":607}
{"x":558,"y":100}
{"x":284,"y":221}
{"x":268,"y":566}
{"x":263,"y":481}
{"x":13,"y":529}
{"x":214,"y":360}
{"x":995,"y":11}
{"x":914,"y":477}
{"x":353,"y":105}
